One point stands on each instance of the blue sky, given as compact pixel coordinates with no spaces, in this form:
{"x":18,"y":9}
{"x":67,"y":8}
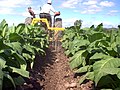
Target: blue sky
{"x":89,"y":11}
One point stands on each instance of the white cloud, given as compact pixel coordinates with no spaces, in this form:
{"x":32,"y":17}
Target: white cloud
{"x":112,"y":12}
{"x":87,"y":6}
{"x":6,"y":11}
{"x":107,"y":4}
{"x":70,"y":3}
{"x":10,"y":6}
{"x":92,"y":9}
{"x":12,"y":3}
{"x":76,"y":11}
{"x":90,"y":2}
{"x":94,"y":6}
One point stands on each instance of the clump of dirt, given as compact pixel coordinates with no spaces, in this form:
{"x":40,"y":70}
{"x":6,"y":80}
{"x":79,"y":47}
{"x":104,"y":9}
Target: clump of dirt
{"x":52,"y":72}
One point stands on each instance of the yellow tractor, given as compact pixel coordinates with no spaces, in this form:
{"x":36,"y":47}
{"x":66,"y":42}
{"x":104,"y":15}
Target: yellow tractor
{"x":56,"y":28}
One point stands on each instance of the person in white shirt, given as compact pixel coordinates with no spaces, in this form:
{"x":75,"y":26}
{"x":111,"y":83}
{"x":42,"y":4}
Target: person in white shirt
{"x":46,"y":10}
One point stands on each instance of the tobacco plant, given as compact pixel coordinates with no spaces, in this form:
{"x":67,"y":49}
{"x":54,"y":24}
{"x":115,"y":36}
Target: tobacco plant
{"x":95,"y":53}
{"x":18,"y":46}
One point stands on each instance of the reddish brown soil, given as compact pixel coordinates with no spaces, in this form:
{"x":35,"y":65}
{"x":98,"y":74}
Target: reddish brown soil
{"x":52,"y":72}
{"x":59,"y":75}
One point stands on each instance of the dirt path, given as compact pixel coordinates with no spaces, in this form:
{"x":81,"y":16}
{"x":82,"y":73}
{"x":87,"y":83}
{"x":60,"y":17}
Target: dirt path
{"x":59,"y":76}
{"x":52,"y":72}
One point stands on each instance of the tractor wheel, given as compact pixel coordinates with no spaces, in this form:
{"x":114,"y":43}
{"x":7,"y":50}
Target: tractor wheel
{"x":28,"y":20}
{"x":58,"y":22}
{"x":58,"y":34}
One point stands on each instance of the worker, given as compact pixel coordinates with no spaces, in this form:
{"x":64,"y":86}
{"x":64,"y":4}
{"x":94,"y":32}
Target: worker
{"x":46,"y":10}
{"x":31,"y":12}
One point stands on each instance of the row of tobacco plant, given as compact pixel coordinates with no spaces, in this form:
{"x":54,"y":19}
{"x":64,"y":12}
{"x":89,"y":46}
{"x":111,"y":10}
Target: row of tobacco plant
{"x":95,"y":53}
{"x":18,"y":47}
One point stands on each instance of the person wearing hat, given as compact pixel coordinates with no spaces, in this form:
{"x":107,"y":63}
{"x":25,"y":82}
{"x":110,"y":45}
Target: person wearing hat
{"x":46,"y":10}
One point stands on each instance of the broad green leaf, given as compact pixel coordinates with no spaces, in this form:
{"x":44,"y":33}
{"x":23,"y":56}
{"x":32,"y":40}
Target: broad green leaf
{"x":14,"y":37}
{"x":22,"y":72}
{"x":20,"y":28}
{"x":77,"y":59}
{"x":118,"y":39}
{"x":100,"y":56}
{"x":3,"y":23}
{"x":104,"y":43}
{"x":112,"y":36}
{"x":76,"y":44}
{"x":39,"y":50}
{"x":2,"y":62}
{"x":26,"y":56}
{"x":88,"y":75}
{"x":96,"y":36}
{"x":111,"y":71}
{"x":84,"y":69}
{"x":5,"y":28}
{"x":105,"y":67}
{"x":113,"y":45}
{"x":21,"y":60}
{"x":26,"y":30}
{"x":29,"y":48}
{"x":16,"y":46}
{"x":67,"y":52}
{"x":118,"y":74}
{"x":109,"y":62}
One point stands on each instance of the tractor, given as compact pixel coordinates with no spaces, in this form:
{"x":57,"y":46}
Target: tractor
{"x":54,"y":32}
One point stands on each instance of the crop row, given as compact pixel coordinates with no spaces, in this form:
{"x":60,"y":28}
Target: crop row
{"x":18,"y":47}
{"x":94,"y":53}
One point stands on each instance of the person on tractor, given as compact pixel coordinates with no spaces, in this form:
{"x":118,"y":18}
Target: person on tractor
{"x":46,"y":10}
{"x":31,"y":12}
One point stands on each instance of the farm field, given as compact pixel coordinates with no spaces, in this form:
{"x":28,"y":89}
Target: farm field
{"x":43,"y":67}
{"x":60,"y":45}
{"x":86,"y":59}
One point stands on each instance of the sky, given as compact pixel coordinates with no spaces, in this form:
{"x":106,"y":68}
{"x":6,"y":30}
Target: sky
{"x":91,"y":12}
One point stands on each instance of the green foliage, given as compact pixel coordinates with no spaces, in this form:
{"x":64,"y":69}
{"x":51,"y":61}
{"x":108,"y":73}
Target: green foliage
{"x":95,"y":53}
{"x":18,"y":45}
